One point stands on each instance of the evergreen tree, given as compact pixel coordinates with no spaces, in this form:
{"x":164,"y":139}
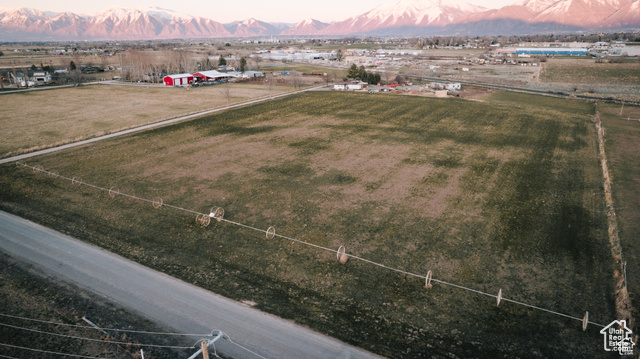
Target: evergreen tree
{"x":72,"y":66}
{"x":243,"y":63}
{"x":373,"y":78}
{"x":353,"y":72}
{"x":222,"y":61}
{"x":362,"y":73}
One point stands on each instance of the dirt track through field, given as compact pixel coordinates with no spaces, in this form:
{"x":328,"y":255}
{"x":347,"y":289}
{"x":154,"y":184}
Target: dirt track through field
{"x":623,"y":304}
{"x":149,"y":126}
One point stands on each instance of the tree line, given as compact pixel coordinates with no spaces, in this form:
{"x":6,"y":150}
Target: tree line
{"x":361,"y":73}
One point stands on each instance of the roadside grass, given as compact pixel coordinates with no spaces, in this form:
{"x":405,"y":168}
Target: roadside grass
{"x":27,"y":293}
{"x":622,"y":146}
{"x":504,"y":195}
{"x":569,"y":71}
{"x":40,"y":119}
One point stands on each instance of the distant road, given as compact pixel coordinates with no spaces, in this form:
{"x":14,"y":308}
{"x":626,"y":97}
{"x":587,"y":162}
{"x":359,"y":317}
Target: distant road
{"x":146,"y":127}
{"x":163,"y":299}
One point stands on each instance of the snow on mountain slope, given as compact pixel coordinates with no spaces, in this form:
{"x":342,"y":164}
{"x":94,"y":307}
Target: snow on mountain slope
{"x":305,"y":27}
{"x":404,"y":13}
{"x":580,"y":12}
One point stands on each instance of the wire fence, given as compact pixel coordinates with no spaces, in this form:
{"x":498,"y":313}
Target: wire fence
{"x":203,"y":219}
{"x":141,"y":345}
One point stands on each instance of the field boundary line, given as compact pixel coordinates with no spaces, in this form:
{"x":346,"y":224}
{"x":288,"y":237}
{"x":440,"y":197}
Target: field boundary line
{"x":271,"y":233}
{"x":152,"y":125}
{"x":624,"y":307}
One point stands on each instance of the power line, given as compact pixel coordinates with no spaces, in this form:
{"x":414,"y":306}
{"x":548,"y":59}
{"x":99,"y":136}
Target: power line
{"x":106,"y":329}
{"x":93,"y":340}
{"x":4,"y":356}
{"x":48,"y":352}
{"x":243,"y":347}
{"x":75,"y":180}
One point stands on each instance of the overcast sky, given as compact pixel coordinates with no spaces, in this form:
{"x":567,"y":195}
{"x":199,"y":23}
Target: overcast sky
{"x":291,"y":11}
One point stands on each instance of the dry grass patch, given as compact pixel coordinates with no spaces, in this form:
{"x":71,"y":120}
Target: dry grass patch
{"x":40,"y":119}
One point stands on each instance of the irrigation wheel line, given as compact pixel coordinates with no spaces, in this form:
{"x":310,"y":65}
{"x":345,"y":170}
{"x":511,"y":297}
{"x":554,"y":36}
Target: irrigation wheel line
{"x":270,"y":233}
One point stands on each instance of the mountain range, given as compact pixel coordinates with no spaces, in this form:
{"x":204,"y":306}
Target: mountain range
{"x":403,"y":17}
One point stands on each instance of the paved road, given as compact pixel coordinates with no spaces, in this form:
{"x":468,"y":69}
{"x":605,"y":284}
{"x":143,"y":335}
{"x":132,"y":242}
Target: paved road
{"x":165,"y":300}
{"x":146,"y":127}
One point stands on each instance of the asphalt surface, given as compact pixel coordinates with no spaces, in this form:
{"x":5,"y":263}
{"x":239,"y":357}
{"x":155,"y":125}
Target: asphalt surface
{"x":146,"y":127}
{"x":163,"y":299}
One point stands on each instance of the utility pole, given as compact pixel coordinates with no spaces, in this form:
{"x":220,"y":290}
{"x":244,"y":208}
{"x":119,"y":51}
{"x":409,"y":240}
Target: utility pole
{"x":205,"y":352}
{"x":204,"y":345}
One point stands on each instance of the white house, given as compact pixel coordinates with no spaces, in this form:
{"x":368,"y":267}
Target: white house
{"x":338,"y":87}
{"x":453,"y":87}
{"x":41,"y":77}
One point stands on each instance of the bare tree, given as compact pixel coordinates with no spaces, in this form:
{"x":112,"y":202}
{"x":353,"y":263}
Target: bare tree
{"x":388,"y":76}
{"x":76,"y":74}
{"x":268,"y":81}
{"x":225,"y":90}
{"x":257,"y":60}
{"x":15,"y":75}
{"x":25,"y":77}
{"x":296,"y":79}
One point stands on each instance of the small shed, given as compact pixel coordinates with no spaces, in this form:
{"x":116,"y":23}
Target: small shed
{"x":252,"y":74}
{"x":178,"y":80}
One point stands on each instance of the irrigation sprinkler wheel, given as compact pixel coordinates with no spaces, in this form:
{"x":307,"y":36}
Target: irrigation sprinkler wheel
{"x":53,"y":173}
{"x":76,"y":180}
{"x":499,"y":297}
{"x":585,"y":322}
{"x":113,"y":192}
{"x":217,"y":213}
{"x":271,"y":232}
{"x":157,"y":203}
{"x":203,"y":220}
{"x":342,"y":255}
{"x":37,"y":168}
{"x":427,"y":283}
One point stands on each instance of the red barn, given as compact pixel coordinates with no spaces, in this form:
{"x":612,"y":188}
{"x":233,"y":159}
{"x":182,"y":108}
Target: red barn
{"x":178,"y":80}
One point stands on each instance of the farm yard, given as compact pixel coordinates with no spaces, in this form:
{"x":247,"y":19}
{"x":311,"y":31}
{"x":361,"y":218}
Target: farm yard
{"x":41,"y":119}
{"x":504,"y":194}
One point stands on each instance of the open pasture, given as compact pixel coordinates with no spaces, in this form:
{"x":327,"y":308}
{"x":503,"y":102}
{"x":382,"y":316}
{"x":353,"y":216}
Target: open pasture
{"x":505,"y":194}
{"x":40,"y":119}
{"x":588,"y":72}
{"x":622,"y":144}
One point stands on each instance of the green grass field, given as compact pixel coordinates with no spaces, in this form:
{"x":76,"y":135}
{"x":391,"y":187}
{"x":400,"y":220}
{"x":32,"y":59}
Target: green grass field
{"x":40,"y":119}
{"x":505,"y":194}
